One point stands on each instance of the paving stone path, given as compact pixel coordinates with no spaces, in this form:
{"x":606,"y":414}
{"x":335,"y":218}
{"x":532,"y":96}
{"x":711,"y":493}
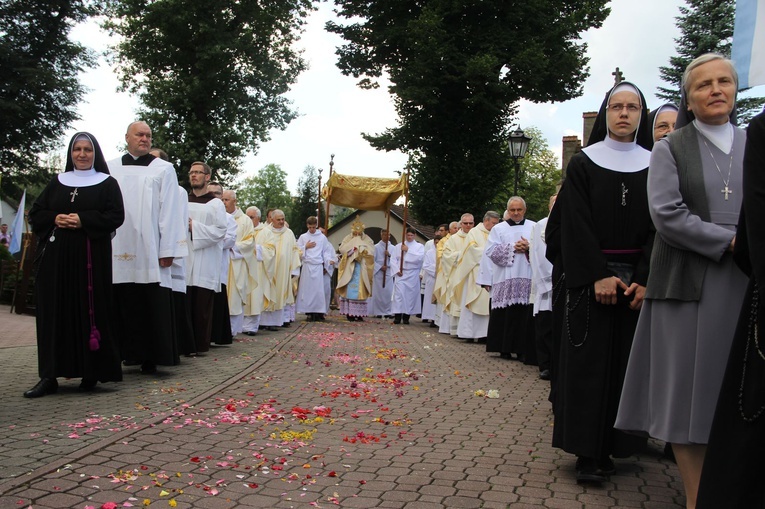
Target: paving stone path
{"x":318,"y":415}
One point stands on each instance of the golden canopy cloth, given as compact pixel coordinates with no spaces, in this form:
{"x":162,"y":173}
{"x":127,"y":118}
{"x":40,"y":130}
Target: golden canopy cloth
{"x":365,"y":193}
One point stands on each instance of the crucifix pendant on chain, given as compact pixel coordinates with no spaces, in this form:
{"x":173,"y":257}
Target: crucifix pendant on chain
{"x":726,"y":192}
{"x":74,"y":195}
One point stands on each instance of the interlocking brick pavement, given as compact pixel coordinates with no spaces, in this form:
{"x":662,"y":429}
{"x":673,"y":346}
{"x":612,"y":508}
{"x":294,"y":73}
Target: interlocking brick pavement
{"x":319,"y":415}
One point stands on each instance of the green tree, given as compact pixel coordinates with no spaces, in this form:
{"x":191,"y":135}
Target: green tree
{"x":266,"y":190}
{"x":538,"y":176}
{"x":306,"y":201}
{"x":339,"y":213}
{"x":210,"y":75}
{"x":705,"y":26}
{"x":457,"y":70}
{"x":39,"y":86}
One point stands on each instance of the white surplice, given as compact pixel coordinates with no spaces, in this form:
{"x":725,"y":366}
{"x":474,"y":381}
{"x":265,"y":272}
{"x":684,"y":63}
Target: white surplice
{"x":541,"y":270}
{"x":507,"y":272}
{"x":178,"y":268}
{"x":209,"y":223}
{"x":429,"y":308}
{"x":154,"y":226}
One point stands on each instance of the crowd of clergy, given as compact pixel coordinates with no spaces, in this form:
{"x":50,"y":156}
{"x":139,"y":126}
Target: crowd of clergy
{"x":625,"y":296}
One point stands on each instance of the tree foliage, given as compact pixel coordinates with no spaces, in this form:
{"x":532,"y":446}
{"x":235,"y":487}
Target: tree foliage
{"x":306,"y":201}
{"x":539,"y":174}
{"x":457,"y":70}
{"x":210,"y":75}
{"x":39,"y":86}
{"x":706,"y":26}
{"x":266,"y":190}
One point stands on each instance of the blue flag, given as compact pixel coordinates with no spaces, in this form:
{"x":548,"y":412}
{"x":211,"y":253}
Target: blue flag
{"x":18,"y":228}
{"x":748,"y":51}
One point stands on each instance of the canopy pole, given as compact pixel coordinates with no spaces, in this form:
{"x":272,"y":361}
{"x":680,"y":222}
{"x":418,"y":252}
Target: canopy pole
{"x":406,"y":209}
{"x":329,"y":191}
{"x":385,"y":254}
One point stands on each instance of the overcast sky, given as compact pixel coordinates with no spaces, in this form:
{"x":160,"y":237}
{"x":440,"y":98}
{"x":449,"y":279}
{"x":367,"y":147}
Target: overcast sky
{"x":637,"y":37}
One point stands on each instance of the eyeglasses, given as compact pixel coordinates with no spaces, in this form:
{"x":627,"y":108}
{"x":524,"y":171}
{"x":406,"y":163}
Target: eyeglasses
{"x":196,"y":172}
{"x":618,"y":107}
{"x":465,"y":222}
{"x":664,"y":126}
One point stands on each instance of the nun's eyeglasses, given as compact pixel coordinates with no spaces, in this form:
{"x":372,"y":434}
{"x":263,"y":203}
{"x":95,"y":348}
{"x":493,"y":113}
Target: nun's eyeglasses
{"x":664,"y":126}
{"x":618,"y":107}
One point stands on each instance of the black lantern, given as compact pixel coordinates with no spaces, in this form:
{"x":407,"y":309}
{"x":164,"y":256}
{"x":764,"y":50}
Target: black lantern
{"x":518,"y":144}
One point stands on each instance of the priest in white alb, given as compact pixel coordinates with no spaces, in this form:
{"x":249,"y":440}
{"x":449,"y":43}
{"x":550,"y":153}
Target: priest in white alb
{"x":452,"y":289}
{"x":406,"y":260}
{"x":287,"y":265}
{"x":473,"y":299}
{"x":261,"y":294}
{"x":382,"y":288}
{"x":143,"y":249}
{"x":242,"y":263}
{"x":506,"y":270}
{"x":311,"y":298}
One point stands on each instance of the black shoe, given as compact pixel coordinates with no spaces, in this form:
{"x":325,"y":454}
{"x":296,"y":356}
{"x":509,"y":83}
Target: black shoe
{"x":359,"y":318}
{"x":544,"y":374}
{"x":87,"y":385}
{"x":587,"y":471}
{"x":149,"y":368}
{"x":406,"y":319}
{"x":250,"y":333}
{"x":271,"y":328}
{"x":669,"y":454}
{"x":397,"y":319}
{"x":319,"y":317}
{"x":310,"y":318}
{"x":606,"y":466}
{"x":433,"y":325}
{"x":286,"y":325}
{"x":43,"y":387}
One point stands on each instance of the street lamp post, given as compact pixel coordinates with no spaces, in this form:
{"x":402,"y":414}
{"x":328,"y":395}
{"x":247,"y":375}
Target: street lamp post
{"x":518,"y":144}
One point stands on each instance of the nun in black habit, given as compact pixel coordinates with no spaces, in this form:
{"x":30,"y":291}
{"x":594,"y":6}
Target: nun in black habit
{"x":75,"y":218}
{"x":605,"y":231}
{"x":733,"y":465}
{"x":662,"y":121}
